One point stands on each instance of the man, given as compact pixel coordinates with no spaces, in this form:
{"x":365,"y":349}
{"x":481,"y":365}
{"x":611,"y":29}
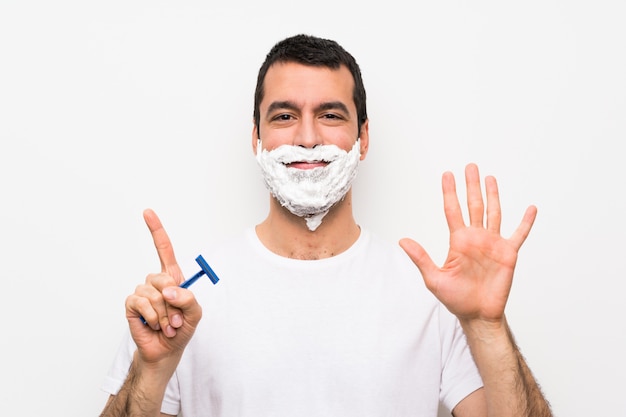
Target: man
{"x":313,"y":315}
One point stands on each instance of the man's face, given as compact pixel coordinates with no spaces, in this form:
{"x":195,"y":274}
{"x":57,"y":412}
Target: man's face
{"x":308,"y":106}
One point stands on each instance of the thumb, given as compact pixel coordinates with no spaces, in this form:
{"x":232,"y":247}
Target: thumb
{"x":184,"y":300}
{"x":420,"y":258}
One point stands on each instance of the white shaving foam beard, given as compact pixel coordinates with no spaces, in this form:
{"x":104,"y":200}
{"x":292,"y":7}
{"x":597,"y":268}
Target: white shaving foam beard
{"x":309,"y":193}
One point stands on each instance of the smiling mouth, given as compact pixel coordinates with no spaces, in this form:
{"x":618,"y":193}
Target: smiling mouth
{"x":307,"y":164}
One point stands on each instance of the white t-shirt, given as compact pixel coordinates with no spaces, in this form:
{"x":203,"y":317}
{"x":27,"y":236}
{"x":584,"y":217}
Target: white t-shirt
{"x":357,"y":334}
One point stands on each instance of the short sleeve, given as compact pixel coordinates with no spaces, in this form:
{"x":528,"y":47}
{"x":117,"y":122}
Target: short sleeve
{"x":118,"y":372}
{"x":460,"y":376}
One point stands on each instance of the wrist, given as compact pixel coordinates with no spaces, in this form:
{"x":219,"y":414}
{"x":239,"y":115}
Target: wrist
{"x":153,"y":375}
{"x":492,"y":332}
{"x":142,"y":393}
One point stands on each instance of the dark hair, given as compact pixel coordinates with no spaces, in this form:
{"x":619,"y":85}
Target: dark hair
{"x":313,"y":51}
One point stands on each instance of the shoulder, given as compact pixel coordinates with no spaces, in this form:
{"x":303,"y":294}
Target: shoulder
{"x":383,"y":250}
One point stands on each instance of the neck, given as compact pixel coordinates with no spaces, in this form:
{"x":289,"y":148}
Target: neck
{"x":288,"y":235}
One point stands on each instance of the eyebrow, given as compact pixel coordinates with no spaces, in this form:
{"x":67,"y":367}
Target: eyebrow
{"x":289,"y":105}
{"x":333,"y":105}
{"x":286,"y":105}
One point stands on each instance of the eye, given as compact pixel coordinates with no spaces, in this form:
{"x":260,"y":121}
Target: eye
{"x":282,"y":117}
{"x":332,"y":119}
{"x":332,"y":116}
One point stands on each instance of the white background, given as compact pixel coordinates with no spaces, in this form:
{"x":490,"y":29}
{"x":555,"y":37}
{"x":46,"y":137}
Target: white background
{"x":107,"y":108}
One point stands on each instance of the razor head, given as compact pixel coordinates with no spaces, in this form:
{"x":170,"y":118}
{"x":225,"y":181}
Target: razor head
{"x":207,"y":269}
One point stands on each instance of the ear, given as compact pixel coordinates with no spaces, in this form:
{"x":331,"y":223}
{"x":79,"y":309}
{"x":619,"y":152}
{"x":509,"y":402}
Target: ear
{"x":255,"y":137}
{"x":364,"y":137}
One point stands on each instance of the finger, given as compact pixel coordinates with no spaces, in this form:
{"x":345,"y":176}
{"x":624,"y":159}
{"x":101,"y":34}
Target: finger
{"x":155,"y":312}
{"x":150,"y":301}
{"x":494,"y":211}
{"x":171,"y":320}
{"x":158,"y":303}
{"x":421,"y":259}
{"x":182,"y":303}
{"x":522,"y":231}
{"x":163,"y":245}
{"x":451,"y":206}
{"x":139,"y":307}
{"x":475,"y":203}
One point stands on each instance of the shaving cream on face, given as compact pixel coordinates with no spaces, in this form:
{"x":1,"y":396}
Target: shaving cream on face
{"x":309,"y":193}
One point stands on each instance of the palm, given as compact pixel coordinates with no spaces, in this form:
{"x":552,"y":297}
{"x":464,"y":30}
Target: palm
{"x":476,"y":277}
{"x":475,"y":280}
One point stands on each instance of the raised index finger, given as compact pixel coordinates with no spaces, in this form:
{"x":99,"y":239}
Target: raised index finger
{"x":162,"y":244}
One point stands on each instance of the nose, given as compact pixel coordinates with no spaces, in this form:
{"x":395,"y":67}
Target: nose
{"x":307,"y":135}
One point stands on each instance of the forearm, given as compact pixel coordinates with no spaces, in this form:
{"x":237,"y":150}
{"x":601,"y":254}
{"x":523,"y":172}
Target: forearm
{"x":141,"y":394}
{"x":510,"y":387}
